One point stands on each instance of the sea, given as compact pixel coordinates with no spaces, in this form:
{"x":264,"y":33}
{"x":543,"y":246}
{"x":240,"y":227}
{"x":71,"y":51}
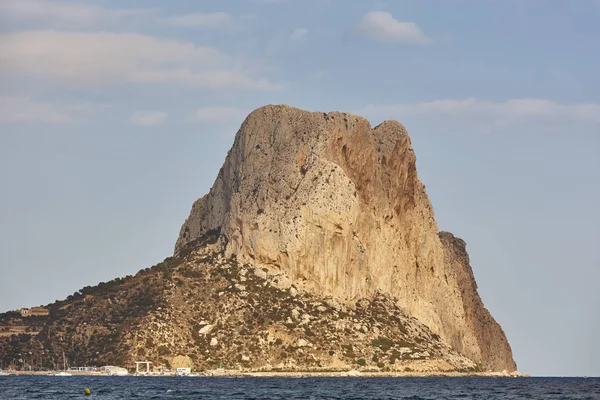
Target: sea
{"x":54,"y":387}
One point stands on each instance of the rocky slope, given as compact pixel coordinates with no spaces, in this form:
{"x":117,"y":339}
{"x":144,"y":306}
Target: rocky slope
{"x":337,"y":207}
{"x":207,"y":310}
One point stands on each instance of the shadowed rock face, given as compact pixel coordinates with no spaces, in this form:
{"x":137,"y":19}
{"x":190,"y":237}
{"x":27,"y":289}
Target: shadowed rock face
{"x":337,"y":206}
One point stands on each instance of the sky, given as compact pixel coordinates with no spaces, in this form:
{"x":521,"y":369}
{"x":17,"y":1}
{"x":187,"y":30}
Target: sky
{"x":116,"y":115}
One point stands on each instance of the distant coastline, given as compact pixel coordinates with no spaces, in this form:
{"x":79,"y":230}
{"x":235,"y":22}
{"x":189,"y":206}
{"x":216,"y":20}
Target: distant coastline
{"x":304,"y":374}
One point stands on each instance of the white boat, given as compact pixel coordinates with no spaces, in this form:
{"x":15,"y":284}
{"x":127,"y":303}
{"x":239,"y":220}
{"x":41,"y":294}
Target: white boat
{"x":2,"y":373}
{"x":114,"y":371}
{"x":64,"y":373}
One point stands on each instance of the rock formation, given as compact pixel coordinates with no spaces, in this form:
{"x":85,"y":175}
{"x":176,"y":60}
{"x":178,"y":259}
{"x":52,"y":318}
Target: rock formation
{"x":203,"y":310}
{"x":337,"y":207}
{"x":315,"y":250}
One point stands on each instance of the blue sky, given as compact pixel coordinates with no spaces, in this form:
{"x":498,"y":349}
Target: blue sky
{"x":116,"y":115}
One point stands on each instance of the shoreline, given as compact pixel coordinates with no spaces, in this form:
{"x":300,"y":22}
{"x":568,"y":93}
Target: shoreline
{"x":294,"y":374}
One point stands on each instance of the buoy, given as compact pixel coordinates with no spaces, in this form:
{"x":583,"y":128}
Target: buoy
{"x":87,"y":391}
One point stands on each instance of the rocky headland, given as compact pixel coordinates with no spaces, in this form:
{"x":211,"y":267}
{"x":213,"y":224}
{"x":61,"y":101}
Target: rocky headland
{"x":315,"y":250}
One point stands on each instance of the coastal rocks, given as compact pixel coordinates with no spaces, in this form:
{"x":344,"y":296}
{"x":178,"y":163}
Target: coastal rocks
{"x":295,"y":313}
{"x":261,"y":273}
{"x":315,"y":250}
{"x":205,"y":329}
{"x":181,"y":362}
{"x":337,"y":206}
{"x":269,"y":328}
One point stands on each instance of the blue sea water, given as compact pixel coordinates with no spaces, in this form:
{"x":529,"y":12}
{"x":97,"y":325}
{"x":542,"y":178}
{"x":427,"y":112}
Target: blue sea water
{"x":50,"y":387}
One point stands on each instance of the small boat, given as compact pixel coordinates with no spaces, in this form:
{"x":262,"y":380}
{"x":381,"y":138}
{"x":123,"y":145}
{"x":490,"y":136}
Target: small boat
{"x":64,"y":373}
{"x":2,"y":373}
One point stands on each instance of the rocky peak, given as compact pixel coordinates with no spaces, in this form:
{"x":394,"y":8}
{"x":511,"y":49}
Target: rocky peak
{"x":337,"y":206}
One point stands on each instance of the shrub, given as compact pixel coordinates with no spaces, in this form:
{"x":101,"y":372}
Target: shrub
{"x":383,"y":343}
{"x":404,"y":343}
{"x":348,"y":351}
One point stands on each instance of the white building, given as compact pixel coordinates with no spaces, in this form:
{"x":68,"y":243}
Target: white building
{"x":183,"y":371}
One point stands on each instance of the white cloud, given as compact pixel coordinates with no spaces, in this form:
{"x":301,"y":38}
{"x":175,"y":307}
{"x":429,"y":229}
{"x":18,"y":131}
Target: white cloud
{"x":380,"y":25}
{"x":298,"y":33}
{"x":202,"y":20}
{"x":490,"y":113}
{"x":147,"y":118}
{"x":89,"y":59}
{"x":15,"y":109}
{"x":59,"y":13}
{"x":62,"y":12}
{"x":218,"y":115}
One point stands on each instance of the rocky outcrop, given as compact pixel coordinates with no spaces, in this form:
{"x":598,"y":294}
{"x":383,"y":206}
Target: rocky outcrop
{"x":491,"y":340}
{"x":205,"y":311}
{"x":337,"y":207}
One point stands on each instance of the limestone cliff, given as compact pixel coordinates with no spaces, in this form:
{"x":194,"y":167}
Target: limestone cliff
{"x":337,"y":207}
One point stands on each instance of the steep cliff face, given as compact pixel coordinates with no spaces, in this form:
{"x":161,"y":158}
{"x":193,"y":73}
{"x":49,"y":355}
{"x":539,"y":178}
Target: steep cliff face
{"x":337,"y":206}
{"x":491,"y":340}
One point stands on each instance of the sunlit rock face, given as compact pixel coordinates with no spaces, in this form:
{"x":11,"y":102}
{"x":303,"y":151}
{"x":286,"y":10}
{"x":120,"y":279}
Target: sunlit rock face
{"x":337,"y":206}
